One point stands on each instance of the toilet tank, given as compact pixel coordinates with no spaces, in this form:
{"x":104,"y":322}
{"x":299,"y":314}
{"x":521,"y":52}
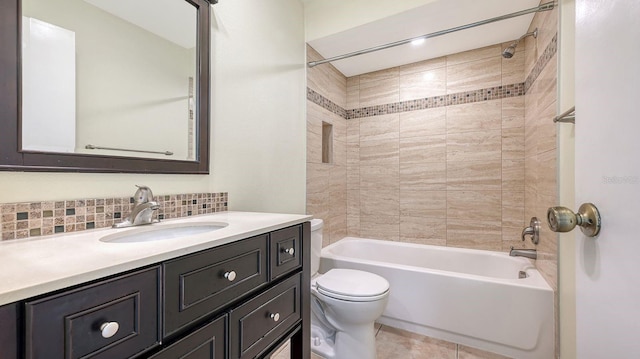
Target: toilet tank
{"x":316,"y":244}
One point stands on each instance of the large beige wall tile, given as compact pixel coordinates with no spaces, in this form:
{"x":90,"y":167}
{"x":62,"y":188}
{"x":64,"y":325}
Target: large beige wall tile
{"x":423,"y":66}
{"x":513,"y":68}
{"x":380,"y":127}
{"x":379,"y":152}
{"x":474,"y":175}
{"x":380,"y":227}
{"x":379,"y":177}
{"x":513,"y":209}
{"x":488,"y":52}
{"x":474,"y":205}
{"x":546,"y":132}
{"x":353,"y":131}
{"x":544,"y":91}
{"x":547,"y":173}
{"x":353,"y":203}
{"x":513,"y":112}
{"x":353,"y":225}
{"x":326,"y":80}
{"x":513,"y":143}
{"x":474,"y":234}
{"x":423,"y":230}
{"x":339,"y":153}
{"x":513,"y":175}
{"x":474,"y":146}
{"x":379,"y":203}
{"x":423,"y":149}
{"x":423,"y":84}
{"x":318,"y":205}
{"x":479,"y":116}
{"x":423,"y":177}
{"x":318,"y":177}
{"x":423,"y":122}
{"x":423,"y":204}
{"x":353,"y":92}
{"x":380,"y":87}
{"x":474,"y":75}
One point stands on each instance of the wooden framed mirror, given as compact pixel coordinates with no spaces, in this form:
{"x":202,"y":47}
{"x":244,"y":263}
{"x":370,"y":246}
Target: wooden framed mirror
{"x":132,"y":79}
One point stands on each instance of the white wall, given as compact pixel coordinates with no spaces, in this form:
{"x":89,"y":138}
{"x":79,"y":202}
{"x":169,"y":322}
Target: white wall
{"x":258,"y":125}
{"x":258,"y":106}
{"x":327,"y":17}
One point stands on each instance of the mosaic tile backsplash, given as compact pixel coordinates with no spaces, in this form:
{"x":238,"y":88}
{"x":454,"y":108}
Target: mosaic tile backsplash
{"x":22,"y":220}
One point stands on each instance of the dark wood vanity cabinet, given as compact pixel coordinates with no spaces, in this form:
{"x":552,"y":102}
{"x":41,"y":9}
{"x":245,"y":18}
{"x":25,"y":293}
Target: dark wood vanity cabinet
{"x":9,"y":328}
{"x":117,"y":318}
{"x":239,"y":300}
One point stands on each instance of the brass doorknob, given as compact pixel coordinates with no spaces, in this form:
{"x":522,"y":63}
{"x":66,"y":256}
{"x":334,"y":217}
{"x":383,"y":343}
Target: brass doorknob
{"x":562,"y":219}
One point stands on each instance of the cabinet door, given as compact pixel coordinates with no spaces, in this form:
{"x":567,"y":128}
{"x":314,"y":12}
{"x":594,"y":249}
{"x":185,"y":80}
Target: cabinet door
{"x":9,"y":331}
{"x":208,"y":342}
{"x":199,"y":284}
{"x":258,"y":323}
{"x":117,"y":318}
{"x":285,"y":250}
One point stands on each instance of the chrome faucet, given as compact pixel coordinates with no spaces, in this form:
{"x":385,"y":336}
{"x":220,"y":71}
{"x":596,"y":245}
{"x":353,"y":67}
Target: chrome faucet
{"x":143,"y":209}
{"x":528,"y":253}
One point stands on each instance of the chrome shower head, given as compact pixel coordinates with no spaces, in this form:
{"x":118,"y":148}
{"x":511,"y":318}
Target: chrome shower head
{"x":511,"y":49}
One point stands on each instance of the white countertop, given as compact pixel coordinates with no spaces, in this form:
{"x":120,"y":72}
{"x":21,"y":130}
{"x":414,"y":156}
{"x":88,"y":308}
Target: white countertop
{"x":34,"y":266}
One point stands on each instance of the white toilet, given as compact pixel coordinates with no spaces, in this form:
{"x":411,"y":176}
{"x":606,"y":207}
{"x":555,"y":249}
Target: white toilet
{"x":344,"y":305}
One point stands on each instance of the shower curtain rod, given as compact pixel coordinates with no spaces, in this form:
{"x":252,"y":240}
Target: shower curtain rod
{"x":544,"y":7}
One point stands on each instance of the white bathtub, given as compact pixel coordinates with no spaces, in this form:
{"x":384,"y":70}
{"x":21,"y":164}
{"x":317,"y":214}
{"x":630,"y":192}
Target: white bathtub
{"x":465,"y":296}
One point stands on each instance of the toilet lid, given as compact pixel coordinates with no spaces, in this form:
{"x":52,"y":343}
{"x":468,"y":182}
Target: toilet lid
{"x":350,"y":283}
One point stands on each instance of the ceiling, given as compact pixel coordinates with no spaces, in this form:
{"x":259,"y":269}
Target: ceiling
{"x":172,"y":20}
{"x":434,"y":16}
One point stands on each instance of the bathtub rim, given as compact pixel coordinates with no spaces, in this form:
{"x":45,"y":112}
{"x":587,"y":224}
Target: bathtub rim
{"x":535,"y":280}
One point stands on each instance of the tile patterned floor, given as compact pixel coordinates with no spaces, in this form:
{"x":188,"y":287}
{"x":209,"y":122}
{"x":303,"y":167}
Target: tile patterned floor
{"x":392,"y":343}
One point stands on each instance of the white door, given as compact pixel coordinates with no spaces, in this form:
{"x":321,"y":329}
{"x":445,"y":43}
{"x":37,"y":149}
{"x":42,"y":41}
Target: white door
{"x":608,"y":174}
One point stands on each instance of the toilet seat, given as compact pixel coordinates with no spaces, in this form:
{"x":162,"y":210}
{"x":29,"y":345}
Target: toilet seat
{"x":352,"y":285}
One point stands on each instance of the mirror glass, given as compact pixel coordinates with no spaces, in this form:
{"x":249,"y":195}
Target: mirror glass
{"x":110,"y":77}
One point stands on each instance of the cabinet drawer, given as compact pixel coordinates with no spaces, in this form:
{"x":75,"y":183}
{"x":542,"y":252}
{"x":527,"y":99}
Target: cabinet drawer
{"x":199,"y":284}
{"x":70,"y":325}
{"x":208,"y":342}
{"x":9,"y":331}
{"x":256,"y":324}
{"x":285,"y":250}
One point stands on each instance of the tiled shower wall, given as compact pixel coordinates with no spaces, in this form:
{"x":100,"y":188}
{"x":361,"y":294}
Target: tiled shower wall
{"x":447,"y":173}
{"x":327,"y":182}
{"x":448,"y":151}
{"x":540,"y":137}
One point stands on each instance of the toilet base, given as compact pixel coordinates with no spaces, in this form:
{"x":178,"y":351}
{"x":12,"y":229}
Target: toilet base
{"x":358,"y":342}
{"x":321,"y":343}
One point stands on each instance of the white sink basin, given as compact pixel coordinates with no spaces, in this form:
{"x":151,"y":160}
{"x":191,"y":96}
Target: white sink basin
{"x":152,"y":233}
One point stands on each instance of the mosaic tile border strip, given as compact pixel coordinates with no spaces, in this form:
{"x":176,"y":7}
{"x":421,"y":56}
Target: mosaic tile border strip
{"x":542,"y":62}
{"x":486,"y":94}
{"x":23,"y":220}
{"x":325,"y":103}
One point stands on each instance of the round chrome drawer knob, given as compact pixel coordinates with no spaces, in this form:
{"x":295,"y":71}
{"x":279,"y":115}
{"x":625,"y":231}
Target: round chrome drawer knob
{"x":231,"y":276}
{"x":109,"y":329}
{"x":290,"y":251}
{"x":275,"y":317}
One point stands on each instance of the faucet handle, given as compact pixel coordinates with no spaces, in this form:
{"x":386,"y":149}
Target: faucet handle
{"x":143,"y":195}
